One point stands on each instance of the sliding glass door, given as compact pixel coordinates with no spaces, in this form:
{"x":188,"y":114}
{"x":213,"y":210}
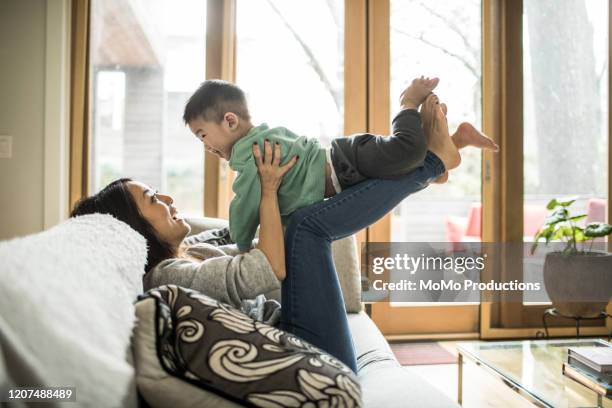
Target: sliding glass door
{"x":437,"y":39}
{"x":565,"y":111}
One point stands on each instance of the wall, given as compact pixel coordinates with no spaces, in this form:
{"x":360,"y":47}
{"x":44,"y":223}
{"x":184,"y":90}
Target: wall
{"x":33,"y":51}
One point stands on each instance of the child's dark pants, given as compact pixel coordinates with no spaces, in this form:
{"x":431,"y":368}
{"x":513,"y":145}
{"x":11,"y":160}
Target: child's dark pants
{"x":365,"y":156}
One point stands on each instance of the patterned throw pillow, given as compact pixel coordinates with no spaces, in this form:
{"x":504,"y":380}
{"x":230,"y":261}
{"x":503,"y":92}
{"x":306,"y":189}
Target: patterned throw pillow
{"x":218,"y":348}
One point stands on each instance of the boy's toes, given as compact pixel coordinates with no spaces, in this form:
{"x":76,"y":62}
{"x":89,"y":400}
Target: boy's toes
{"x":493,"y":146}
{"x":429,"y":104}
{"x":488,"y":144}
{"x":444,"y":108}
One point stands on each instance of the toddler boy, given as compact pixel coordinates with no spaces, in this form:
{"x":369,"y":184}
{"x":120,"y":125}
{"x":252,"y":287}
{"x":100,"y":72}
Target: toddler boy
{"x":218,"y":115}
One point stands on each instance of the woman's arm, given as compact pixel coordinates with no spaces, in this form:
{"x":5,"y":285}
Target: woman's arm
{"x":229,"y":279}
{"x":271,"y":239}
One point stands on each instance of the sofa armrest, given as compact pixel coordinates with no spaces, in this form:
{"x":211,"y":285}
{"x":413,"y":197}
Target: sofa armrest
{"x":349,"y":272}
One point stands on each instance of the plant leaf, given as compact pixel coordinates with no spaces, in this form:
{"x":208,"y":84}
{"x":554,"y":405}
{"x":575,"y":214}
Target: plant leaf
{"x":579,"y":235}
{"x":546,"y":232}
{"x":569,"y":233}
{"x":551,"y":204}
{"x":560,"y":214}
{"x":597,"y":229}
{"x":563,"y":231}
{"x":568,"y":201}
{"x":577,"y":217}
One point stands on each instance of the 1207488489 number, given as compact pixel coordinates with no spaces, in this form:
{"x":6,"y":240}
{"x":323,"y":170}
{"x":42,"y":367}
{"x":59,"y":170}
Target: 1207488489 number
{"x":39,"y":394}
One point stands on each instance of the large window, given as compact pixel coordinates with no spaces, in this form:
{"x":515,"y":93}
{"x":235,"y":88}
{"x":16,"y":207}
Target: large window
{"x":290,"y":62}
{"x":440,"y":38}
{"x":565,"y":68}
{"x":147,"y":57}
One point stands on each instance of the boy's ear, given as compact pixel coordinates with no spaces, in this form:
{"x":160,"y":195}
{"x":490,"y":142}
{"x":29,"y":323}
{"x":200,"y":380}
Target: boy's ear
{"x":232,"y":120}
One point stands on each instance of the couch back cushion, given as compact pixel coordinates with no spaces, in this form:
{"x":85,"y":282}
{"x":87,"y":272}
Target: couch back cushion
{"x":66,"y":306}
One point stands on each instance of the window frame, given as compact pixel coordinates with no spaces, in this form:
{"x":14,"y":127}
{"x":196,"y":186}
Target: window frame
{"x":503,"y":177}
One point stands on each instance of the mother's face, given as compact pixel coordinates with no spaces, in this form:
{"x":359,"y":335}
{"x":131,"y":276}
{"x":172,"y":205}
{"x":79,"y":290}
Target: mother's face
{"x":158,"y":210}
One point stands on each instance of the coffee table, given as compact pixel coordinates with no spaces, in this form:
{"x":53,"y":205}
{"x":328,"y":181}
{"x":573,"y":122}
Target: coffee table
{"x":532,"y":368}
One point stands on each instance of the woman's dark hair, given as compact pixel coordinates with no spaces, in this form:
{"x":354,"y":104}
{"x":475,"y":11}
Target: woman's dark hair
{"x":116,"y":200}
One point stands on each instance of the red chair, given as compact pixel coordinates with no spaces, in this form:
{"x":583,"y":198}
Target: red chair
{"x":464,"y":229}
{"x":596,"y":212}
{"x":467,"y":229}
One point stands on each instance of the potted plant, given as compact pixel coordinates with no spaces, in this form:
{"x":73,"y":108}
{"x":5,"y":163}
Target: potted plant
{"x":578,"y":279}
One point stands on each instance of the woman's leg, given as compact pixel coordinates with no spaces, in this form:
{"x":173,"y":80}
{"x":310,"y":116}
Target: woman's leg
{"x":313,"y":308}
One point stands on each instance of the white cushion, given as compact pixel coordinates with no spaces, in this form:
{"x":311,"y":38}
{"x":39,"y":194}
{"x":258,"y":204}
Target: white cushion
{"x":66,"y":301}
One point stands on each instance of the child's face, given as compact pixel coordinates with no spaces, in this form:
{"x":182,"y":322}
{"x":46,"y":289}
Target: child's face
{"x":219,"y":138}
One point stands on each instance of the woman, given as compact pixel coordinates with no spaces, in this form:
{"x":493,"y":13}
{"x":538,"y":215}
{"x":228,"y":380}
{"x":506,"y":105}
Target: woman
{"x":312,"y":305}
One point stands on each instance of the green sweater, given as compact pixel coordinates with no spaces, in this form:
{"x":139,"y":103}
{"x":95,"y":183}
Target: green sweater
{"x":303,"y":185}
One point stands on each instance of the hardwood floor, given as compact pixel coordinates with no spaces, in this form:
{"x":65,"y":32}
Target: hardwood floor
{"x":480,"y":389}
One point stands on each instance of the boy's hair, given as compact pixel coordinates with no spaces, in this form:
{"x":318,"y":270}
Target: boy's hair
{"x":213,"y":99}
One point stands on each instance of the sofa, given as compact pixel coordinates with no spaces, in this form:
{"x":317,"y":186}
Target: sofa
{"x":67,"y":318}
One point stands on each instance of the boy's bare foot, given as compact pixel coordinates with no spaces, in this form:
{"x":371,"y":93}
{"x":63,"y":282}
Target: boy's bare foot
{"x":440,"y":142}
{"x":444,"y":110}
{"x":428,"y":114}
{"x":415,"y":94}
{"x":467,"y":135}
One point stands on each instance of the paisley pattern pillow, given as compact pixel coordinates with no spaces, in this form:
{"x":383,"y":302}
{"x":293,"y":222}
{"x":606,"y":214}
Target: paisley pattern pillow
{"x":218,"y":348}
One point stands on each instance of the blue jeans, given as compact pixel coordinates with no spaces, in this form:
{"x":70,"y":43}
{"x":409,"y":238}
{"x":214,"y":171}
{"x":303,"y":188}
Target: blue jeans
{"x":313,"y":308}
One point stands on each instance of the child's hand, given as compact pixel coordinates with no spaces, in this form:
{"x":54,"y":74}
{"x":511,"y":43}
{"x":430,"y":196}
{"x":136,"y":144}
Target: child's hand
{"x":270,"y":171}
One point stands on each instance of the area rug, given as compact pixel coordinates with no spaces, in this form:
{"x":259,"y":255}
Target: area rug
{"x":422,"y":354}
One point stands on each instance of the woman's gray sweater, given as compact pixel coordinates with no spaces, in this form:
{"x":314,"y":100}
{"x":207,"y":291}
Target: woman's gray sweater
{"x":224,"y":274}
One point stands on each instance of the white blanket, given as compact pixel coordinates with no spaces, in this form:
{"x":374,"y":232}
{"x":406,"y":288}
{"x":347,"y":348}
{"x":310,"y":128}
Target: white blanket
{"x":66,"y":309}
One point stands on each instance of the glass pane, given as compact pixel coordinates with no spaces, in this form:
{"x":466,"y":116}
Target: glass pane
{"x":565,"y":52}
{"x":290,"y":63}
{"x":147,"y":57}
{"x":441,"y":38}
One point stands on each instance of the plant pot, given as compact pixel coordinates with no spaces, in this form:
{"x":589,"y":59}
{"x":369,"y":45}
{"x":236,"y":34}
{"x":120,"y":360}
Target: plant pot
{"x":579,"y":285}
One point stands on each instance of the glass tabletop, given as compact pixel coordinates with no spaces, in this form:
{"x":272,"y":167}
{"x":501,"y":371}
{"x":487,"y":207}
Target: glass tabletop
{"x":535,"y":366}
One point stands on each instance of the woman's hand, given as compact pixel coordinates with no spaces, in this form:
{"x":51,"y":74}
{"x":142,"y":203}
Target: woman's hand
{"x":270,"y":171}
